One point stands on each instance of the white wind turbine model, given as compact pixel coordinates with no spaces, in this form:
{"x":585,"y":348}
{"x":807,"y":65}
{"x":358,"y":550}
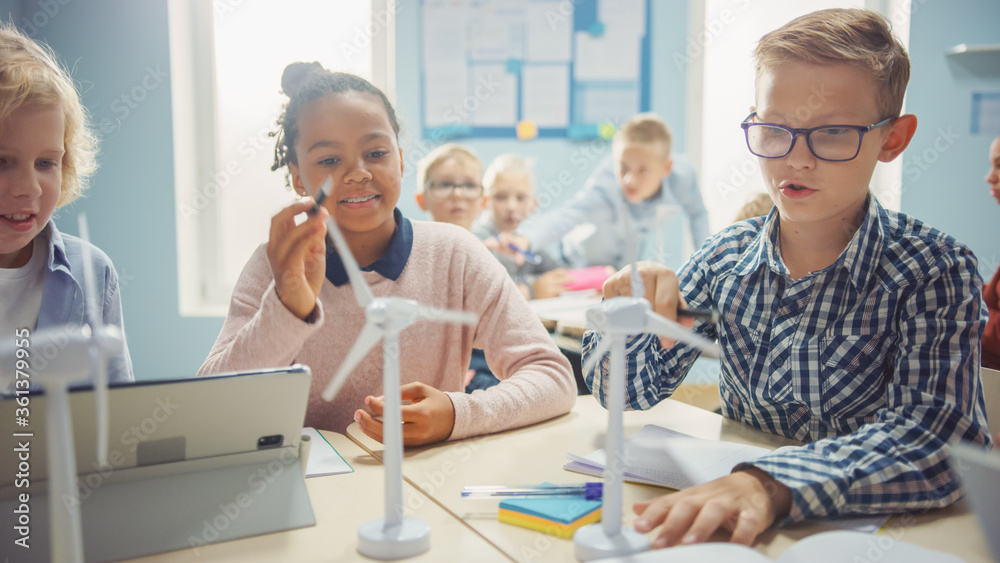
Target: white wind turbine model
{"x":83,"y":352}
{"x":393,"y":536}
{"x":615,"y":320}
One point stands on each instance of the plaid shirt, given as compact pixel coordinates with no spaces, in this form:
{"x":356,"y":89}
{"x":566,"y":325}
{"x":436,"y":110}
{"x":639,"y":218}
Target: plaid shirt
{"x":873,"y":362}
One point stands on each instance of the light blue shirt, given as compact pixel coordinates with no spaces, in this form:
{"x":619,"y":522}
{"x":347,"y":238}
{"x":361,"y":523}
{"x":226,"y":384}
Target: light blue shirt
{"x":602,"y":204}
{"x":63,"y":298}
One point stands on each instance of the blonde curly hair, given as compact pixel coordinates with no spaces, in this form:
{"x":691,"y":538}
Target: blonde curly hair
{"x":30,"y":76}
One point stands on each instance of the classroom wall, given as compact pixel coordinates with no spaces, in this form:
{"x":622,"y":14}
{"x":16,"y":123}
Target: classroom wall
{"x":945,"y":165}
{"x":573,"y":160}
{"x":120,"y":48}
{"x":120,"y":57}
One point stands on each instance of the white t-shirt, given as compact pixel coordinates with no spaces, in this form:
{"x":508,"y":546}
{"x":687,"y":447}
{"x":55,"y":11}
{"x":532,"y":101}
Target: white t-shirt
{"x":21,"y":291}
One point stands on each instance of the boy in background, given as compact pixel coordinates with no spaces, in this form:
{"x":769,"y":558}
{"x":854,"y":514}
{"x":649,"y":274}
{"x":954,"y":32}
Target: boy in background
{"x":509,"y":182}
{"x":846,"y":326}
{"x":449,"y":185}
{"x":640,"y":179}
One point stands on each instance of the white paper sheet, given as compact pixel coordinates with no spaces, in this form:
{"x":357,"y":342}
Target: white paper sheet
{"x":323,"y":458}
{"x":493,"y":94}
{"x":548,"y":33}
{"x":545,"y":95}
{"x":613,"y":56}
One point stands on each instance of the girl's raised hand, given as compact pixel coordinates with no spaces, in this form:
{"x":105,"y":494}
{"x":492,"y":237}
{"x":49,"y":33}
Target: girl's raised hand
{"x":297,"y":254}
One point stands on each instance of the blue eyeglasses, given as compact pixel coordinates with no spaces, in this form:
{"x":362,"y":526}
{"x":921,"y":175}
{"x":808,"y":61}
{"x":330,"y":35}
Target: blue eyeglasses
{"x":833,"y":143}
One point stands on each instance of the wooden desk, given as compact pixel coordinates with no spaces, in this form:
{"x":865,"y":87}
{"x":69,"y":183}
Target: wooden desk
{"x":341,"y":504}
{"x":537,"y":453}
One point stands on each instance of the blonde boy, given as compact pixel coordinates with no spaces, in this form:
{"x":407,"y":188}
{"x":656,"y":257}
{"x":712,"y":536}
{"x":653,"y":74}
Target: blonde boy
{"x":639,"y":179}
{"x":509,"y":182}
{"x":846,"y":326}
{"x":449,"y":185}
{"x":47,"y":154}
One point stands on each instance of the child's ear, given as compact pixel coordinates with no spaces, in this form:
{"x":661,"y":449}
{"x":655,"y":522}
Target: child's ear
{"x":900,"y":134}
{"x":667,"y":167}
{"x":297,"y":184}
{"x":401,"y":168}
{"x":486,"y":201}
{"x":420,"y":200}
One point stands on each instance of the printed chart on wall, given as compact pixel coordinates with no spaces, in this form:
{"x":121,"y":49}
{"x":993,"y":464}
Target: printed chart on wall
{"x":532,"y":68}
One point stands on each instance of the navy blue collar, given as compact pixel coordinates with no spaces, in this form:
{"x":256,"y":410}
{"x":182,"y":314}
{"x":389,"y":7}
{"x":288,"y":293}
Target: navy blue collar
{"x":389,"y":265}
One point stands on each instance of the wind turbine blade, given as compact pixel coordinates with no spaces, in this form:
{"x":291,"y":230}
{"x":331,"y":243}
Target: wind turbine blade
{"x":361,"y":290}
{"x":369,"y":337}
{"x":668,"y":328}
{"x":89,"y":283}
{"x":596,"y":354}
{"x":444,"y":315}
{"x":97,"y":367}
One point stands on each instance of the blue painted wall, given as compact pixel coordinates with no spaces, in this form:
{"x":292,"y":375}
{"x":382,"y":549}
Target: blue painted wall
{"x":945,"y":165}
{"x":120,"y":57}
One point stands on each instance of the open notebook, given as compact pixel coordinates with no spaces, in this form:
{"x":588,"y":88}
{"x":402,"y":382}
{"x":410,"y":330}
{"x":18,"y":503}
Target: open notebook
{"x":827,"y":546}
{"x":659,"y":456}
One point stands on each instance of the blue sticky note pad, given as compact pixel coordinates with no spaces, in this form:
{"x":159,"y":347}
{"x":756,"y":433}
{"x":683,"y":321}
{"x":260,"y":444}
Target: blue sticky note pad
{"x":514,"y":66}
{"x":596,"y":29}
{"x":561,"y":510}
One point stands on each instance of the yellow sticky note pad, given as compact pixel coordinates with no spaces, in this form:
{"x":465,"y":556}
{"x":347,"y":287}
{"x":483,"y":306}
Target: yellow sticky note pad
{"x":606,"y":130}
{"x":527,"y":130}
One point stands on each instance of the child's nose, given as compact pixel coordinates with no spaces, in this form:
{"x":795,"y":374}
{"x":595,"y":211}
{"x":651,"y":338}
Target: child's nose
{"x":25,"y":183}
{"x":357,"y":172}
{"x":801,"y":156}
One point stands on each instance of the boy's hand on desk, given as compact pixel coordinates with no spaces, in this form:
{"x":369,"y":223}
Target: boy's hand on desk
{"x":744,"y":502}
{"x":297,"y":254}
{"x":551,"y":284}
{"x":662,"y":291}
{"x":429,"y":418}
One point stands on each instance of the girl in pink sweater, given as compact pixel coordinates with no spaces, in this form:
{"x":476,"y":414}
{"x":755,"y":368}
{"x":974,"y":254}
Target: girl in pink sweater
{"x":293,"y":302}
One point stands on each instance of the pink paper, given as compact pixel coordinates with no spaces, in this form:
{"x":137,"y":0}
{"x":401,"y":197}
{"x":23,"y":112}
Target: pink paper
{"x":587,"y":278}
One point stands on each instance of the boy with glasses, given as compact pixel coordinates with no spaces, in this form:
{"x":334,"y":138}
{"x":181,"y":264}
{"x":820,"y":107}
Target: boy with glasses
{"x":844,"y":325}
{"x":449,"y":185}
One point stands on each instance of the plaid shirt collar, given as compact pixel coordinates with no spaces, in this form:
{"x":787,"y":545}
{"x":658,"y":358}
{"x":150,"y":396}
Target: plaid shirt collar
{"x":867,"y":241}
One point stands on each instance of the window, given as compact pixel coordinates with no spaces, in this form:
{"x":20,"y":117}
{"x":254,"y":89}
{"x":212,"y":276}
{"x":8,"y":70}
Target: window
{"x":722,"y":78}
{"x":227,"y":57}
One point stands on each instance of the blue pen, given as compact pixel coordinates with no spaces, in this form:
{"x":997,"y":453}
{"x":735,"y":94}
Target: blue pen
{"x":587,"y":491}
{"x":530,"y":256}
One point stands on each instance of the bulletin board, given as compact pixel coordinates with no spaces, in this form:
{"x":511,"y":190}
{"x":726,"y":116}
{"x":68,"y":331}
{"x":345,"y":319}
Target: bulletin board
{"x":532,"y":68}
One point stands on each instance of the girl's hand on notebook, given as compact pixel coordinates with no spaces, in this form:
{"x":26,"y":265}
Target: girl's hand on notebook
{"x":744,"y":502}
{"x":297,"y":254}
{"x":429,"y":418}
{"x":662,"y":291}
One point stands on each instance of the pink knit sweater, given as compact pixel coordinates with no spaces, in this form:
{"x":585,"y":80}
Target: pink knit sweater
{"x":447,"y":268}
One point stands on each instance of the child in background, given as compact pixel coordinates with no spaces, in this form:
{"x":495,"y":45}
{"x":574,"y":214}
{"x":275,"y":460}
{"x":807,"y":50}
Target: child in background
{"x":640,"y":179}
{"x":292,"y":303}
{"x":509,"y":182}
{"x":759,"y":206}
{"x":991,"y":336}
{"x":449,"y":185}
{"x":846,"y":326}
{"x":47,"y":154}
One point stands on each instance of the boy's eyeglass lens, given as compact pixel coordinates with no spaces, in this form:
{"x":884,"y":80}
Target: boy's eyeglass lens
{"x":834,"y":143}
{"x":443,"y":189}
